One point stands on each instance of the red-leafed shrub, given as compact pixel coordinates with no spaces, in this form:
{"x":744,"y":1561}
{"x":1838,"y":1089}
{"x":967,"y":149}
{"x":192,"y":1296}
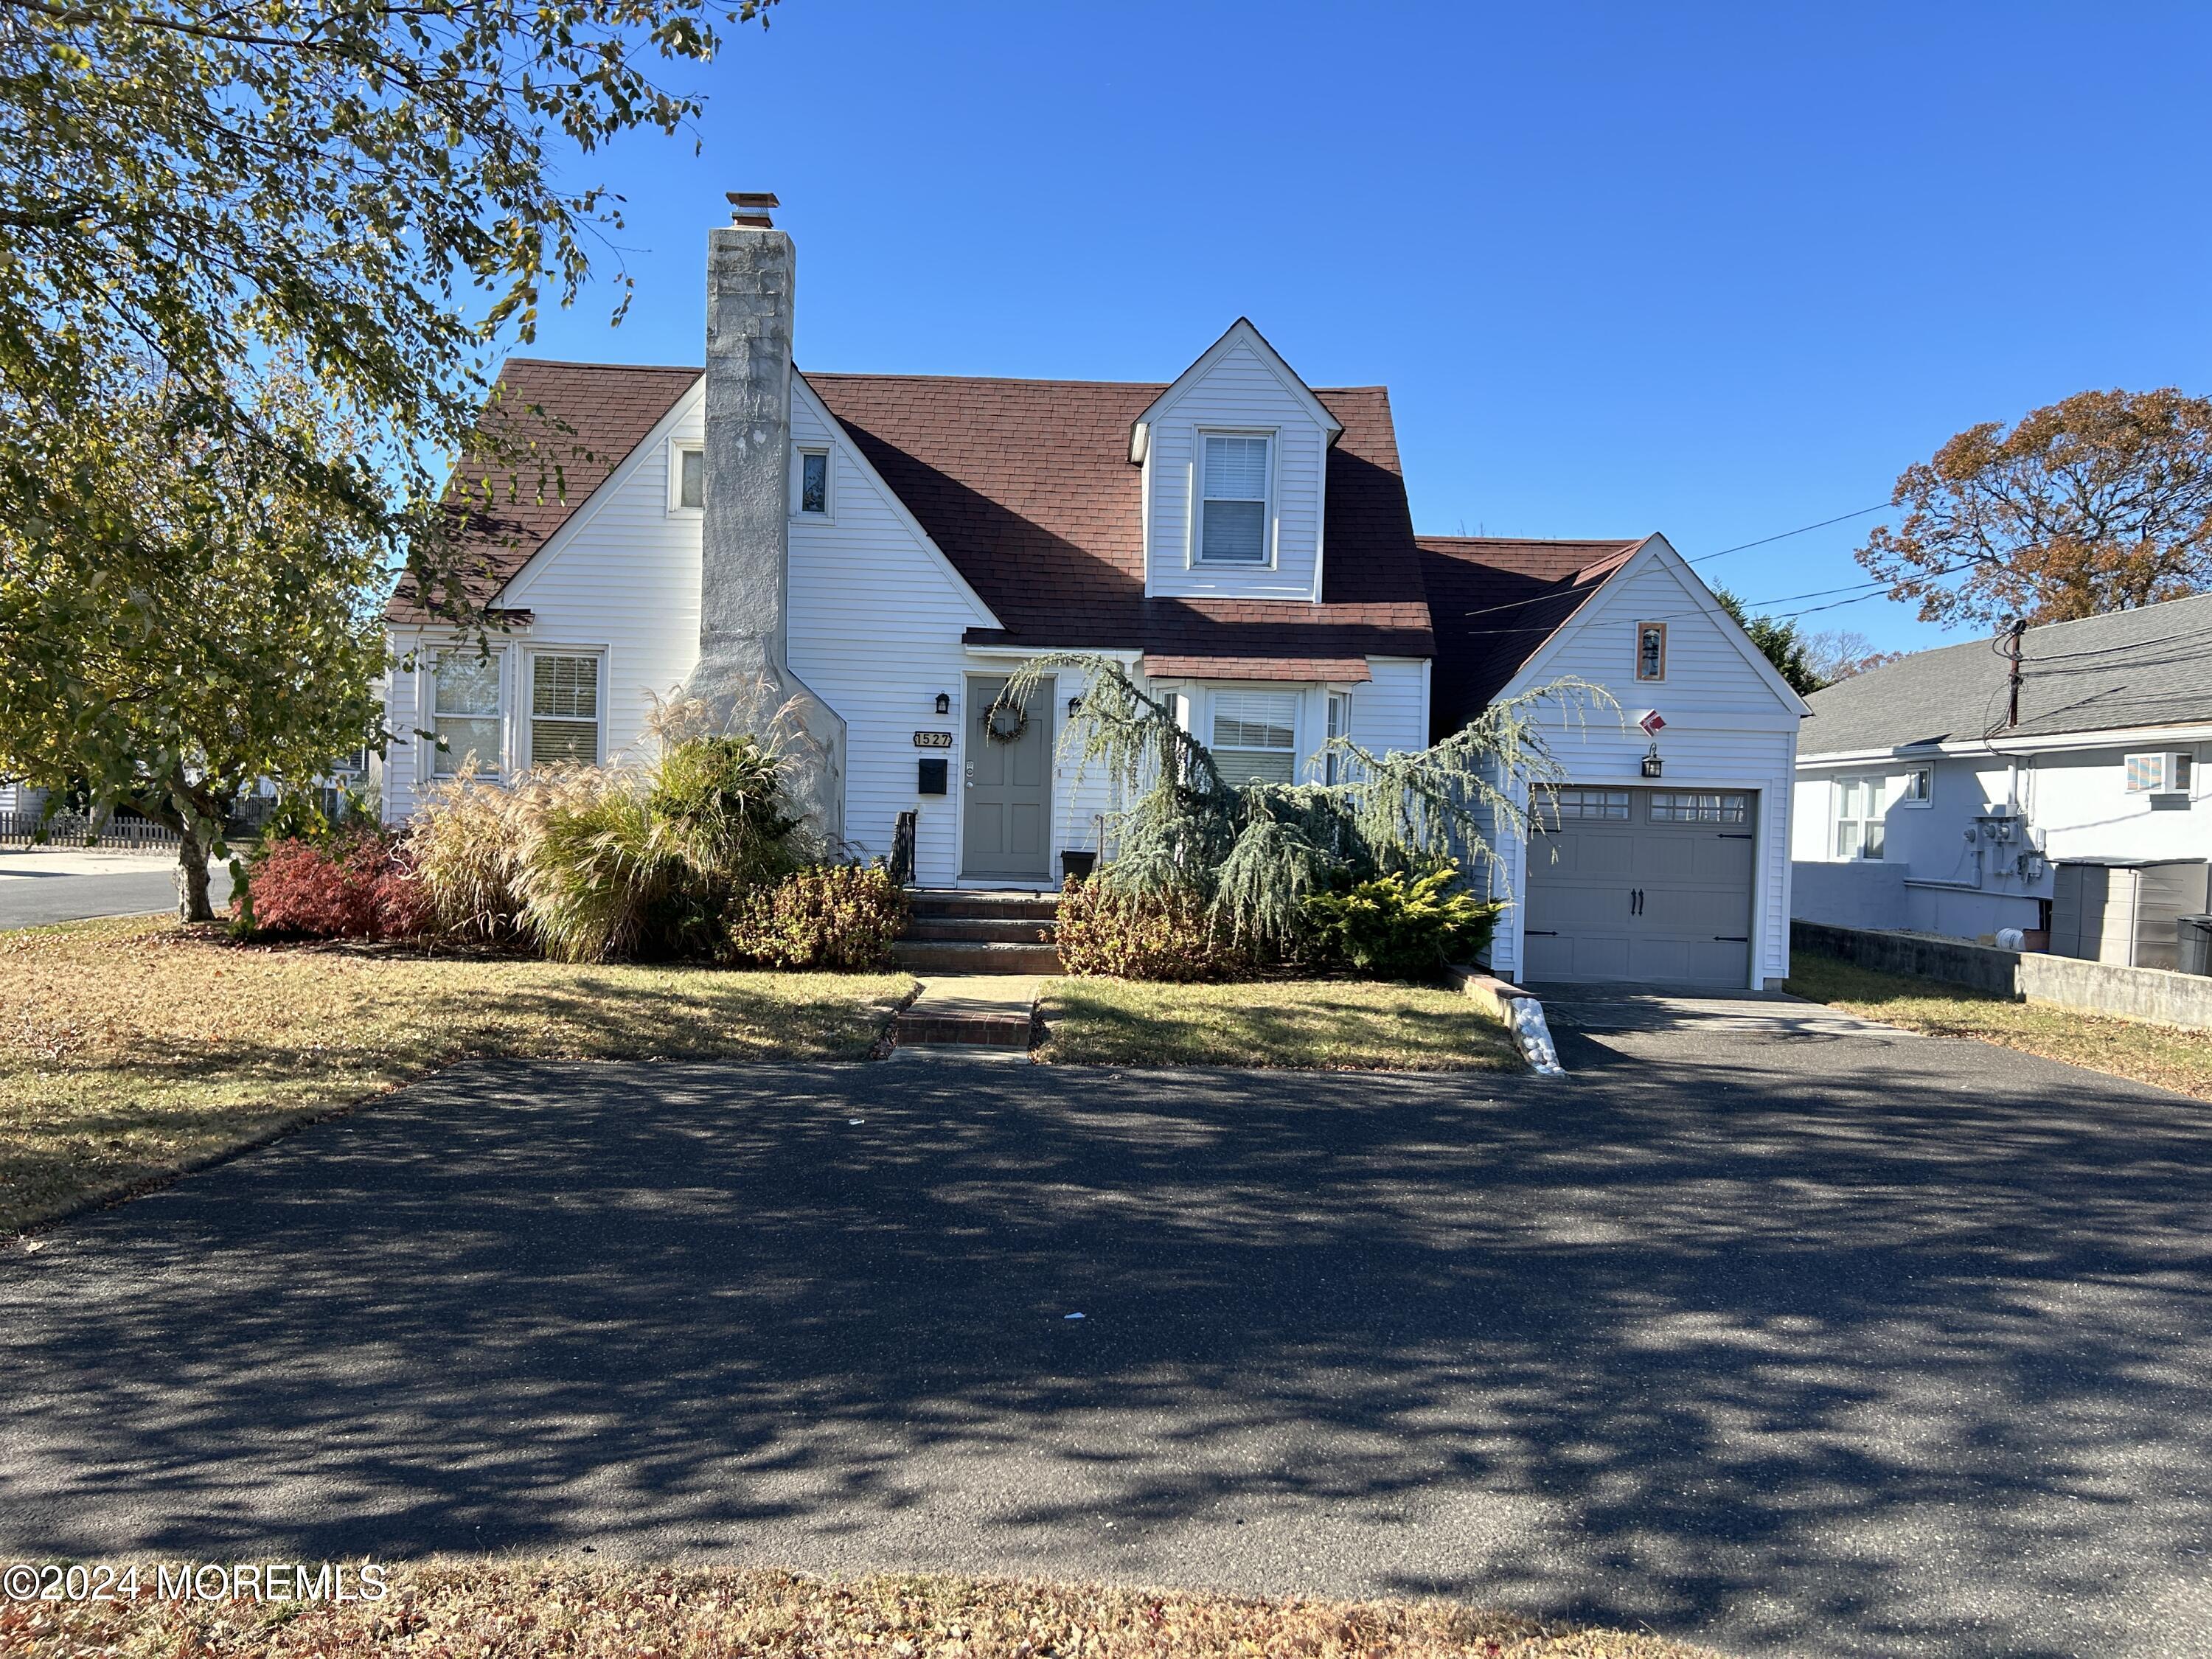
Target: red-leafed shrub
{"x":354,"y":888}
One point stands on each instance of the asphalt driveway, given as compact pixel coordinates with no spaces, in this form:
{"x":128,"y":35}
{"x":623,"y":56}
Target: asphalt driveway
{"x":1788,"y":1337}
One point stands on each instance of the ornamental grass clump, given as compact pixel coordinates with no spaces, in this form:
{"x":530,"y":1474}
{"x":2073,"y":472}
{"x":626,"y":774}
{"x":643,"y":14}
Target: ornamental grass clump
{"x":601,"y":864}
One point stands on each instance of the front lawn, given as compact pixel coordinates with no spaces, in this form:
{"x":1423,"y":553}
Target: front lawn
{"x":1351,"y":1025}
{"x":2170,"y":1056}
{"x":132,"y":1048}
{"x":616,"y":1613}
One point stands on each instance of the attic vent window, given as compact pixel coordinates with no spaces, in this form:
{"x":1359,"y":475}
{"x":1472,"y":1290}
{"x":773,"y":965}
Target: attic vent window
{"x":690,"y":490}
{"x":1651,"y":651}
{"x":814,"y":482}
{"x":1233,"y":514}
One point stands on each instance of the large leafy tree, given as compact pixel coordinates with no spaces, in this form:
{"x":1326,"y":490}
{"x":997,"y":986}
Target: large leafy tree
{"x":203,"y":201}
{"x":2100,"y":502}
{"x":1779,"y":641}
{"x":231,"y":633}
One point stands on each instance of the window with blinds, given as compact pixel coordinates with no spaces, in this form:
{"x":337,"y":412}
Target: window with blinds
{"x":464,"y":712}
{"x":1255,"y":736}
{"x":564,"y":711}
{"x":1233,"y":513}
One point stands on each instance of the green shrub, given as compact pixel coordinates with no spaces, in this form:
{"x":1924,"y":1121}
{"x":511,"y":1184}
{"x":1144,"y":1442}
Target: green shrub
{"x":1106,"y":933}
{"x":841,"y":916}
{"x":1397,"y":928}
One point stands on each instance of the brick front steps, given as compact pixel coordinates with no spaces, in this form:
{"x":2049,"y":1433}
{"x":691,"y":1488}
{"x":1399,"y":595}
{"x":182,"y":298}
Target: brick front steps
{"x":964,"y":933}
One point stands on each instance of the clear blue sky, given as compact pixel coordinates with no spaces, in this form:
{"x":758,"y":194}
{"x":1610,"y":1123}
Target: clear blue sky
{"x":1715,"y":270}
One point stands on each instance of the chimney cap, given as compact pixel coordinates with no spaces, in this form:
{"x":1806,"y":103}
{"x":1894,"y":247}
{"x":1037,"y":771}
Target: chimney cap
{"x":752,"y":206}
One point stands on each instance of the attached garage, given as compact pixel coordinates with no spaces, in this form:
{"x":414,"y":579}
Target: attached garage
{"x":1653,"y":885}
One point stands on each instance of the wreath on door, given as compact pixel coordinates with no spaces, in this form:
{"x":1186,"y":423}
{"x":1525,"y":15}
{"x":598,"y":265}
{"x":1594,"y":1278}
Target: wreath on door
{"x":1004,"y":722}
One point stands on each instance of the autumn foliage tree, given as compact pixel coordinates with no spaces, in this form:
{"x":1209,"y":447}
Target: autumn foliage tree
{"x":2100,"y":502}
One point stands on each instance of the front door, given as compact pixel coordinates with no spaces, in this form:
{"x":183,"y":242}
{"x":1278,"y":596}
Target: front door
{"x":1006,"y":804}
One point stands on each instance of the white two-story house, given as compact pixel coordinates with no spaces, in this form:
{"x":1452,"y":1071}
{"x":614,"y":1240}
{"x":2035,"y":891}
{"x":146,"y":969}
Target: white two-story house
{"x":886,"y":549}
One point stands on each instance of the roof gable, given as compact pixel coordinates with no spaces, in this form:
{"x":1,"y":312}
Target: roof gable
{"x":574,"y":424}
{"x":1240,"y":333}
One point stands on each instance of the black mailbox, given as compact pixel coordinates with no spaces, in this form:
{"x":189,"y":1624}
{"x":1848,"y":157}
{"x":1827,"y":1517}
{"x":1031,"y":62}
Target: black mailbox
{"x":932,"y":776}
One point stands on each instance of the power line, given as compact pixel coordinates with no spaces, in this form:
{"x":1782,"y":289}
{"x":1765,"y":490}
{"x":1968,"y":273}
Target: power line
{"x":1785,"y":535}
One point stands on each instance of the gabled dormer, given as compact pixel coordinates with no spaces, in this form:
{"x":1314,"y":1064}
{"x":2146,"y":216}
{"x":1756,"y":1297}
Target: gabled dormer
{"x":1235,"y":457}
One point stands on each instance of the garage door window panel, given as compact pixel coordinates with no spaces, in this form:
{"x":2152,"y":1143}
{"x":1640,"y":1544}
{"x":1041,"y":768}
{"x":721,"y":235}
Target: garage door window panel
{"x":1684,"y":806}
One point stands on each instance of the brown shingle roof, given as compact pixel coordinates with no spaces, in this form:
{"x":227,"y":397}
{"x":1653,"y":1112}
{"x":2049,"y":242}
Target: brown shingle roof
{"x":1027,"y":487}
{"x":1495,"y":600}
{"x":567,"y":426}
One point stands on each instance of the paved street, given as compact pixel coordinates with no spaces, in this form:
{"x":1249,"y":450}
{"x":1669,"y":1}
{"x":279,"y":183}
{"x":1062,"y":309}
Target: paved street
{"x":59,"y":884}
{"x":1787,"y":1338}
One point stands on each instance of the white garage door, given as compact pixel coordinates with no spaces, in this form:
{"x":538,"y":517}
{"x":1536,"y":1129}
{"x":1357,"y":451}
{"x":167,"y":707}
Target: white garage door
{"x":1652,"y":885}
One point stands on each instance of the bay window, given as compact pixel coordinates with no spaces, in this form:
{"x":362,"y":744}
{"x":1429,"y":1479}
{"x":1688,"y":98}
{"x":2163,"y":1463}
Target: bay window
{"x":465,"y":713}
{"x":1255,"y":736}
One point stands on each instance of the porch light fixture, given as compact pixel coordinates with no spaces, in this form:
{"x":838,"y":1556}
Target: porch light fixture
{"x":1652,"y":763}
{"x":944,"y":702}
{"x":1074,"y":706}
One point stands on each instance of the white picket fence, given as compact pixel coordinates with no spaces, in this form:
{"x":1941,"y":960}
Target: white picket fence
{"x":73,"y":829}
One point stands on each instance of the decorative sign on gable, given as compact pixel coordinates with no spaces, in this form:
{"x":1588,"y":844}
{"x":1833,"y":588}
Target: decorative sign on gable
{"x":932,"y":740}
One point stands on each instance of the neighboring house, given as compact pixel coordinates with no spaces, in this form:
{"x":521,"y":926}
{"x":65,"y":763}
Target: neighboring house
{"x":1929,"y":798}
{"x":1240,"y":540}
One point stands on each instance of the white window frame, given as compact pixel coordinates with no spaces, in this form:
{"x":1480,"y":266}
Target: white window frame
{"x":526,"y":699}
{"x":677,"y":449}
{"x":1553,"y":805}
{"x":829,"y":454}
{"x":1840,"y":818}
{"x":1271,"y":437}
{"x":1926,"y":797}
{"x":1213,"y":713}
{"x":1336,"y":722}
{"x":446,"y":762}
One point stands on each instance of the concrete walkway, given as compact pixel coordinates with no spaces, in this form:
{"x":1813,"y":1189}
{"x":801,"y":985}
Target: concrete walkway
{"x":981,"y":1010}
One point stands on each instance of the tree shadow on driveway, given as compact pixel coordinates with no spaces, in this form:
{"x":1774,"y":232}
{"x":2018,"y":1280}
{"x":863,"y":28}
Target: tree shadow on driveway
{"x":1808,"y":1346}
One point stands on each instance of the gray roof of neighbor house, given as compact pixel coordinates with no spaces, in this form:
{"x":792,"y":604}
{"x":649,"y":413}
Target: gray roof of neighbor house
{"x":2150,"y":666}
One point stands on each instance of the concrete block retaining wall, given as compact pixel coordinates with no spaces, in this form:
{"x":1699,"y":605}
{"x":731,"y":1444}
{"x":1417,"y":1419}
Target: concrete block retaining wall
{"x":2091,"y":987}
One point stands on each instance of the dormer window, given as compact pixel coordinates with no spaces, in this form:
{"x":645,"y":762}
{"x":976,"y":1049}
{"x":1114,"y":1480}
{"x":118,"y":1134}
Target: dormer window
{"x":1233,"y":508}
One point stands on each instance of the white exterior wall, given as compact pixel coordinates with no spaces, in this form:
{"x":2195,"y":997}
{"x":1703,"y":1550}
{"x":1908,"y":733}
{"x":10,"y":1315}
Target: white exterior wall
{"x":2077,"y":806}
{"x":1239,"y":391}
{"x":1730,"y":724}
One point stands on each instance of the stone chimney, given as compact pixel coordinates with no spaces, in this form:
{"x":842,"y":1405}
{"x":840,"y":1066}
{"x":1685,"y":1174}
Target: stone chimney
{"x":744,"y":679}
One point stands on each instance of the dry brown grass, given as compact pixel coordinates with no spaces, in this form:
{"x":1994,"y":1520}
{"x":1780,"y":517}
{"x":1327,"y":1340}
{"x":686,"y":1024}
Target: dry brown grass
{"x":2167,"y":1055}
{"x":132,"y":1048}
{"x":584,"y":1612}
{"x":1310,"y":1023}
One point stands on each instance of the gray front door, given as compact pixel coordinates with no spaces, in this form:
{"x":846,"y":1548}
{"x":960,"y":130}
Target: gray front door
{"x":1006,"y":804}
{"x":1648,"y":885}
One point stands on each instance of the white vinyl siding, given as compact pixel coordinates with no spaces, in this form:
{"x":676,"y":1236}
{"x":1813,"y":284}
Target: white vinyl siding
{"x":1255,"y":736}
{"x":564,"y":710}
{"x":467,"y":713}
{"x":1233,"y":525}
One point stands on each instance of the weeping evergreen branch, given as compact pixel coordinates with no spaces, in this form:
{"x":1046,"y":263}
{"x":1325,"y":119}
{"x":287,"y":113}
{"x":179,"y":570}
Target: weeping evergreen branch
{"x":1254,"y":853}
